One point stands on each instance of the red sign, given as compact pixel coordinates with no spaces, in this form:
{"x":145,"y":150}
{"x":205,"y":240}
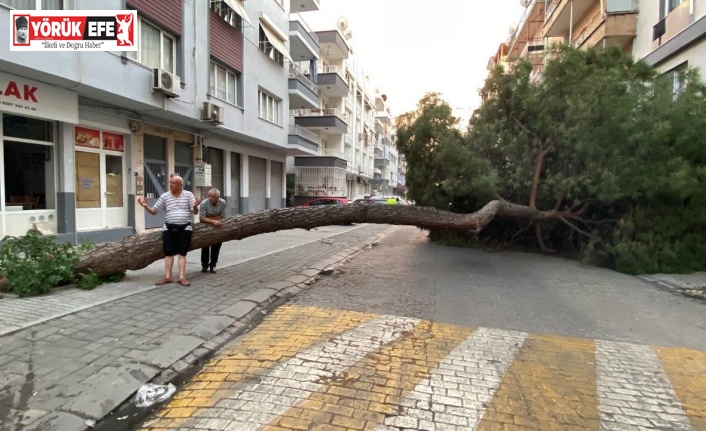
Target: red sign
{"x":84,"y":137}
{"x":113,"y":141}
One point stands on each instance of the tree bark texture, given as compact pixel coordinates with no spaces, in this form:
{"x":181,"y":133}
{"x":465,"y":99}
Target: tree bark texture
{"x":139,"y":251}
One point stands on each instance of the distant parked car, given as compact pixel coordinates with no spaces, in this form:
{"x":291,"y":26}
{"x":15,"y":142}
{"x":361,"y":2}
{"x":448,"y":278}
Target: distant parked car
{"x":370,"y":201}
{"x":325,"y":201}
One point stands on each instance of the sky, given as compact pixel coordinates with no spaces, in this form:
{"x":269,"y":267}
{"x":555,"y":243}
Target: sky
{"x":412,"y":47}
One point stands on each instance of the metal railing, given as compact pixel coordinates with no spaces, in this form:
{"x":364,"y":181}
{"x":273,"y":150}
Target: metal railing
{"x":294,"y":72}
{"x":297,"y":17}
{"x":302,"y":132}
{"x":332,"y":153}
{"x":592,"y":25}
{"x":326,"y":112}
{"x":550,"y":8}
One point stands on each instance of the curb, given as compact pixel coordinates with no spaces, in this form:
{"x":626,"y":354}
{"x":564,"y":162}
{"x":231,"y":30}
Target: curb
{"x":247,"y":313}
{"x":687,"y":292}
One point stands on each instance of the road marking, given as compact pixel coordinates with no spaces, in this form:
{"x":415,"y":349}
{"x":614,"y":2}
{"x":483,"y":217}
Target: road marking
{"x":460,"y":401}
{"x":550,"y":383}
{"x":634,"y":392}
{"x":375,"y":385}
{"x":686,"y":370}
{"x":283,"y":334}
{"x":249,"y":407}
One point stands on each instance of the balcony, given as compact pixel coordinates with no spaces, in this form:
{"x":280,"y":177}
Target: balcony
{"x":528,"y":29}
{"x":304,"y":5}
{"x":613,"y":30}
{"x":675,"y":21}
{"x":560,"y":19}
{"x":332,"y":81}
{"x":302,"y":92}
{"x":333,"y":44}
{"x":302,"y":141}
{"x":330,"y":120}
{"x":303,"y":43}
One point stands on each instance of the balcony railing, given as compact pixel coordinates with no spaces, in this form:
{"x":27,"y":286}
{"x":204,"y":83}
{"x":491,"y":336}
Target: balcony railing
{"x":550,"y":8}
{"x":294,"y":72}
{"x":332,"y":153}
{"x":592,"y":25}
{"x":297,"y":17}
{"x":303,"y":133}
{"x":326,"y":112}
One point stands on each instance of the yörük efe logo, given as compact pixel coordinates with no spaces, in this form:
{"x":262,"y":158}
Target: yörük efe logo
{"x":73,"y":30}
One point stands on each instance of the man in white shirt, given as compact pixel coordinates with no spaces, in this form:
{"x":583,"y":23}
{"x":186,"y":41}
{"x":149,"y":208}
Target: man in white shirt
{"x":178,"y":206}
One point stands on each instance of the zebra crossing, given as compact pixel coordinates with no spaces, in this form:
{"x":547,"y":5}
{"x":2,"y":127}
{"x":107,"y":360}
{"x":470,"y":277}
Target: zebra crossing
{"x":309,"y":368}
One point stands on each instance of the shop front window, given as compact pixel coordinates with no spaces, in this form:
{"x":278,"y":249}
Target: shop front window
{"x":28,"y":176}
{"x":28,"y":163}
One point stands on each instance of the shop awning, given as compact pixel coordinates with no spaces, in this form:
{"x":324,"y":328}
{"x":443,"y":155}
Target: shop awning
{"x":274,"y":39}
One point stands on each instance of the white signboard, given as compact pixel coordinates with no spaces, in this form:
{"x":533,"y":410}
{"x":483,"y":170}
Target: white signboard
{"x":24,"y":96}
{"x":73,"y":30}
{"x":202,"y":175}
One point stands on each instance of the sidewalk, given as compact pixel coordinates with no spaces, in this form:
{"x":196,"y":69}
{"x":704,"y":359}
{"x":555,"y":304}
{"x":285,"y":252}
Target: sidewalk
{"x":70,"y":358}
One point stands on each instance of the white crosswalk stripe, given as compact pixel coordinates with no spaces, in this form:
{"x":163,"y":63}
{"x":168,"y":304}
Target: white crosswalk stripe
{"x":462,"y":386}
{"x":634,"y":392}
{"x":309,"y":371}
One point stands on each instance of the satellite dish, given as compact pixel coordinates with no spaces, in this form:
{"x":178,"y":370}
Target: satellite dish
{"x":525,"y":3}
{"x":342,"y":23}
{"x":348,"y":34}
{"x":512,"y":29}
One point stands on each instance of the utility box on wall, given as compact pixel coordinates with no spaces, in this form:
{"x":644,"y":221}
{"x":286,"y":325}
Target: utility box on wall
{"x":202,"y":175}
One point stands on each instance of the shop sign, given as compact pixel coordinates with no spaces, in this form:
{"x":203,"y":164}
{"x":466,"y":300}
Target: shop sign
{"x":24,"y":96}
{"x":92,"y":138}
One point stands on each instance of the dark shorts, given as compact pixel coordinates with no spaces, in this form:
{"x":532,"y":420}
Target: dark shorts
{"x":176,"y":240}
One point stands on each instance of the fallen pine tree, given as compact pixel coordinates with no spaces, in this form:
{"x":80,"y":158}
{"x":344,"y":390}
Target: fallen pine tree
{"x":139,"y":251}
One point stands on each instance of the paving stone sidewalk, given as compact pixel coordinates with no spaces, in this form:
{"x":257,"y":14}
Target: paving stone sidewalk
{"x":67,"y":372}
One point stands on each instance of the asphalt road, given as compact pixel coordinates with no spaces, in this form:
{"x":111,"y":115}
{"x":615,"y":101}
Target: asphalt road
{"x":411,"y":335}
{"x":409,"y":275}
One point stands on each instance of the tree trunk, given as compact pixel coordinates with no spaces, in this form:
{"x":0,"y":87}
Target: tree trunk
{"x":137,"y":252}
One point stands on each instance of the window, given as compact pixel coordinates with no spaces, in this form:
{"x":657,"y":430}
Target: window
{"x":269,"y":108}
{"x":267,"y":46}
{"x":223,"y":84}
{"x":29,"y":164}
{"x":34,"y":4}
{"x":222,"y":9}
{"x":676,"y":80}
{"x":666,"y":6}
{"x":157,"y":49}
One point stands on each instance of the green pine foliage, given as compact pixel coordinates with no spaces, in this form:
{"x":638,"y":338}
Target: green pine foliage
{"x":620,"y":151}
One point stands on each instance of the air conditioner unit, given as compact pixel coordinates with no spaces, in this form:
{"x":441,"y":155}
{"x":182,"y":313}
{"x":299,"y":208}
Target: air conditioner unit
{"x":166,"y":82}
{"x":212,"y":113}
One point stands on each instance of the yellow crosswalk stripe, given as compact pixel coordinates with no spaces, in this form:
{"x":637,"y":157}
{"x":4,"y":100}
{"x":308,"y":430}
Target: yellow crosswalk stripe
{"x":375,"y":386}
{"x":287,"y":331}
{"x":550,"y":385}
{"x":309,"y":368}
{"x":686,"y":370}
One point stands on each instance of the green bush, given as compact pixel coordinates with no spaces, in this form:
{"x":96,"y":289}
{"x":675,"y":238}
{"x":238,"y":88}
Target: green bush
{"x":34,"y":264}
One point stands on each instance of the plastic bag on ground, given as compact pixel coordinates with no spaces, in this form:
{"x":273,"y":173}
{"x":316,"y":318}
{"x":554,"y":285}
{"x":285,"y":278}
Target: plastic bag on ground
{"x":151,"y":394}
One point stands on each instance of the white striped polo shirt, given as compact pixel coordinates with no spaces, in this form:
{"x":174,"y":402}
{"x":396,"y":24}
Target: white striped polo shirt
{"x":177,"y":209}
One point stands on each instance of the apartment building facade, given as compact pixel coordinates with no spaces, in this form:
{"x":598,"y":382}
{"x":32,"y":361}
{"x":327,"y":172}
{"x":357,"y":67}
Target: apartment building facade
{"x":667,"y":34}
{"x":209,"y":84}
{"x":582,"y":23}
{"x":671,"y":36}
{"x":341,"y":121}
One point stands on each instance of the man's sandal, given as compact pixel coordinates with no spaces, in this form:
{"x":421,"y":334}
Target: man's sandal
{"x":163,"y":281}
{"x":184,"y":282}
